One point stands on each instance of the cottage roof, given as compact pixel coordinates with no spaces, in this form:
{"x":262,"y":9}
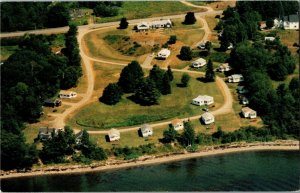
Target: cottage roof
{"x":113,"y":132}
{"x":79,"y":134}
{"x":236,"y":76}
{"x":200,"y":60}
{"x":291,"y":18}
{"x":203,"y":98}
{"x":145,"y":127}
{"x":46,"y":130}
{"x":176,"y":121}
{"x":224,"y":65}
{"x":247,"y":110}
{"x":161,"y":22}
{"x":207,"y":116}
{"x":65,"y":92}
{"x":164,"y":52}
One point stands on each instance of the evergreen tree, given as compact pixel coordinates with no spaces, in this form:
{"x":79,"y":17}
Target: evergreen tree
{"x":157,"y":74}
{"x":112,"y":94}
{"x":170,"y":73}
{"x":58,"y":15}
{"x":209,"y":74}
{"x":123,"y":23}
{"x":130,"y":77}
{"x":170,"y":135}
{"x":185,"y":78}
{"x":270,"y":23}
{"x":208,"y":46}
{"x":185,"y":53}
{"x":190,"y":18}
{"x":188,"y":135}
{"x":166,"y":85}
{"x":147,"y":93}
{"x":172,"y":39}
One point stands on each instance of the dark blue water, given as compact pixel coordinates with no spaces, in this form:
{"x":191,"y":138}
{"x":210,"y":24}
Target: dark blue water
{"x":247,"y":171}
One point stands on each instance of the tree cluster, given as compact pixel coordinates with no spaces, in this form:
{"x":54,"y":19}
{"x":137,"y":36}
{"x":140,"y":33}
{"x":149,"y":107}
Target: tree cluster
{"x":276,"y":107}
{"x":64,"y":144}
{"x":29,"y":76}
{"x":147,"y":91}
{"x":189,"y":18}
{"x":20,"y":16}
{"x":185,"y":53}
{"x":107,"y":9}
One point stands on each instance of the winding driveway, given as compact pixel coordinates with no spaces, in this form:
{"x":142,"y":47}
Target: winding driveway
{"x":87,"y":63}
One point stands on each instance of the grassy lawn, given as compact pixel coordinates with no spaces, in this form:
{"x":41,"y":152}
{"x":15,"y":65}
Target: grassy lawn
{"x":127,"y":45}
{"x":143,"y":9}
{"x":100,"y":116}
{"x":7,"y":51}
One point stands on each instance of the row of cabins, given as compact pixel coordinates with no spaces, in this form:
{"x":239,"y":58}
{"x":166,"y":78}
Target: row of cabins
{"x":162,"y":23}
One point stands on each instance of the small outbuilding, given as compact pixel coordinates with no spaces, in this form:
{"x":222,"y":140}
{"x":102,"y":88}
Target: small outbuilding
{"x":224,"y":67}
{"x":146,"y":130}
{"x":199,"y":63}
{"x":244,"y":101}
{"x":78,"y":137}
{"x":207,"y":118}
{"x":114,"y":135}
{"x":269,"y":39}
{"x":52,"y":103}
{"x":163,"y":54}
{"x":143,"y":26}
{"x":236,"y":78}
{"x":67,"y":94}
{"x":203,"y":100}
{"x":177,"y":124}
{"x":248,"y":113}
{"x":46,"y":133}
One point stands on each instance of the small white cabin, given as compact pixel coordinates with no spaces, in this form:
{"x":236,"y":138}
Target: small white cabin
{"x":143,"y":26}
{"x":67,"y":94}
{"x":199,"y":63}
{"x":163,"y":54}
{"x":177,"y":124}
{"x":245,"y":101}
{"x":146,"y":130}
{"x":269,"y":39}
{"x":203,"y":100}
{"x":248,"y":113}
{"x":224,"y":67}
{"x":163,"y":23}
{"x":208,"y":118}
{"x":236,"y":78}
{"x":114,"y":135}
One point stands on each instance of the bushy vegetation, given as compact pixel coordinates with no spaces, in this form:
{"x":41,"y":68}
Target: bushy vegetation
{"x":134,"y":152}
{"x":185,"y":53}
{"x":189,"y":18}
{"x":29,"y":76}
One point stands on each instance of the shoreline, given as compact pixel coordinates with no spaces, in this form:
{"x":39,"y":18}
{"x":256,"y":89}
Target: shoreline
{"x":156,"y":159}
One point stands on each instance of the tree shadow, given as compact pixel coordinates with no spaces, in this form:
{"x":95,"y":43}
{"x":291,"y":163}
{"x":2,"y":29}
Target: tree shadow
{"x":203,"y":53}
{"x":180,"y":85}
{"x":140,"y":133}
{"x":202,"y":79}
{"x":134,"y":99}
{"x":107,"y":138}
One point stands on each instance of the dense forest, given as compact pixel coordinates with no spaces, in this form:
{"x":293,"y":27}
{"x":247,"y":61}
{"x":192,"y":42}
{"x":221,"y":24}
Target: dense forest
{"x":21,"y":16}
{"x":30,"y":76}
{"x":260,"y":62}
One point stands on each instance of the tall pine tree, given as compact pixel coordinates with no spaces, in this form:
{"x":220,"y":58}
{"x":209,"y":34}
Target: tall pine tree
{"x":147,"y":93}
{"x":170,"y":73}
{"x":166,"y":86}
{"x":209,"y":74}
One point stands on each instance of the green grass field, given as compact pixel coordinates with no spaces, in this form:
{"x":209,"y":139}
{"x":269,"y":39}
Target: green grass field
{"x":143,"y":9}
{"x":98,"y":116}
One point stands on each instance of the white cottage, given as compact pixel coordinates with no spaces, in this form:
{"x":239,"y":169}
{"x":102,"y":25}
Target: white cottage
{"x":245,"y":101}
{"x":67,"y":94}
{"x":163,"y":54}
{"x":248,"y":113}
{"x":288,"y":22}
{"x":224,"y":67}
{"x":236,"y":78}
{"x":269,"y":39}
{"x":177,"y":124}
{"x":143,"y":26}
{"x":208,"y":118}
{"x":46,"y":133}
{"x":146,"y":130}
{"x":114,"y":135}
{"x":199,"y":63}
{"x":203,"y":100}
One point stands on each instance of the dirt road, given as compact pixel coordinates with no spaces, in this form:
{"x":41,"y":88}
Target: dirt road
{"x":87,"y":62}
